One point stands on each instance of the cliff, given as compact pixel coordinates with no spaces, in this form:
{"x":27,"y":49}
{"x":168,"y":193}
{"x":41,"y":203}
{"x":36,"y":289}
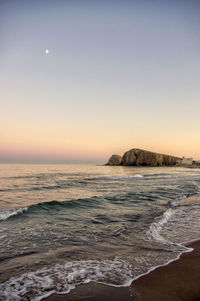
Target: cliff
{"x":139,"y":157}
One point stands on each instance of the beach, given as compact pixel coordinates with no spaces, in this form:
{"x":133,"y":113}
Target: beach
{"x":179,"y":280}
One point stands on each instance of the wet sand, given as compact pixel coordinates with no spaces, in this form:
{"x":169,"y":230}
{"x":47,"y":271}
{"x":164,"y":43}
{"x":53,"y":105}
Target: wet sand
{"x":178,"y":281}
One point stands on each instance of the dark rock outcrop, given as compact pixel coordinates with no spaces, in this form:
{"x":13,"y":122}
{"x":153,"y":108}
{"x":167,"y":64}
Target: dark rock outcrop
{"x":114,"y":160}
{"x":139,"y":157}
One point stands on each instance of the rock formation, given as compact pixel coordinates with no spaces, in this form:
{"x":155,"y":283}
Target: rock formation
{"x":115,"y":160}
{"x":139,"y":157}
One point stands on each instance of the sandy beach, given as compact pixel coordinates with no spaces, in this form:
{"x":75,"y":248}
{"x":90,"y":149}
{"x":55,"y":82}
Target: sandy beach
{"x":179,"y":280}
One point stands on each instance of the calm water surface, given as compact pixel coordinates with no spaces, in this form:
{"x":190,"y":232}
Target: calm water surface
{"x":62,"y":225}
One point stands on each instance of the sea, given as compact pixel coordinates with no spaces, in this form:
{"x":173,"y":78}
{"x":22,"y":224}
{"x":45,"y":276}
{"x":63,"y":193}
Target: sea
{"x":69,"y":224}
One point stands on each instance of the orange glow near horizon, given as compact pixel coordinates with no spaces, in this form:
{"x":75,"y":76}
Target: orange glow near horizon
{"x":91,"y":147}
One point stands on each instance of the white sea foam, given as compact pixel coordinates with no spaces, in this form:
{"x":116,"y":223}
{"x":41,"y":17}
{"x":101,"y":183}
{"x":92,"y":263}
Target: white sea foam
{"x":8,"y":213}
{"x":175,"y":202}
{"x":156,"y":227}
{"x":138,"y":176}
{"x":63,"y":278}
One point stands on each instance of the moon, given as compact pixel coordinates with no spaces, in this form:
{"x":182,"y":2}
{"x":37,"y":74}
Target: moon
{"x":47,"y":51}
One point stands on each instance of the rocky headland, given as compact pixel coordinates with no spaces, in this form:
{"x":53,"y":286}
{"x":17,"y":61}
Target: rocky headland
{"x":140,"y":157}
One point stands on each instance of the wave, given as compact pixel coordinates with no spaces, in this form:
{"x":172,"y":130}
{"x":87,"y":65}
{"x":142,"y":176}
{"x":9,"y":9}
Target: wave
{"x":156,"y":227}
{"x":115,"y":177}
{"x":69,"y":183}
{"x":63,"y":278}
{"x":44,"y":176}
{"x":88,"y":203}
{"x":12,"y":212}
{"x":49,"y":206}
{"x":38,"y":188}
{"x":85,"y":203}
{"x":174,"y":214}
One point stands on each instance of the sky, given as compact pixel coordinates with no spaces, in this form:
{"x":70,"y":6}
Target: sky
{"x":117,"y":75}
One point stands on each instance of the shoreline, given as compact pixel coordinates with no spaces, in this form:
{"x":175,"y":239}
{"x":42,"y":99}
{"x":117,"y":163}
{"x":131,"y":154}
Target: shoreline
{"x":175,"y":281}
{"x":179,"y":280}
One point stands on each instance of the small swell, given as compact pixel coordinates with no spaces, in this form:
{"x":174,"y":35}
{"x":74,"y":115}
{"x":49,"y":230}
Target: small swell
{"x":115,"y":177}
{"x":158,"y":174}
{"x":39,"y":188}
{"x":49,"y":206}
{"x":68,"y":184}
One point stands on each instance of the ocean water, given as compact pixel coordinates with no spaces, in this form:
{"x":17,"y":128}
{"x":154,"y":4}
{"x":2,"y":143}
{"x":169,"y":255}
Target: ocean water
{"x":65,"y":225}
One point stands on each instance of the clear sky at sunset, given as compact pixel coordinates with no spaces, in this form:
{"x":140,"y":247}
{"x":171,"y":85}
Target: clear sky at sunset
{"x":117,"y":75}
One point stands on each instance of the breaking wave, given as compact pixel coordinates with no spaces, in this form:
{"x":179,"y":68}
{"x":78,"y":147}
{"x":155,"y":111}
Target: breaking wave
{"x":63,"y":278}
{"x":12,"y":212}
{"x":156,"y":227}
{"x":47,"y":206}
{"x":175,"y":220}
